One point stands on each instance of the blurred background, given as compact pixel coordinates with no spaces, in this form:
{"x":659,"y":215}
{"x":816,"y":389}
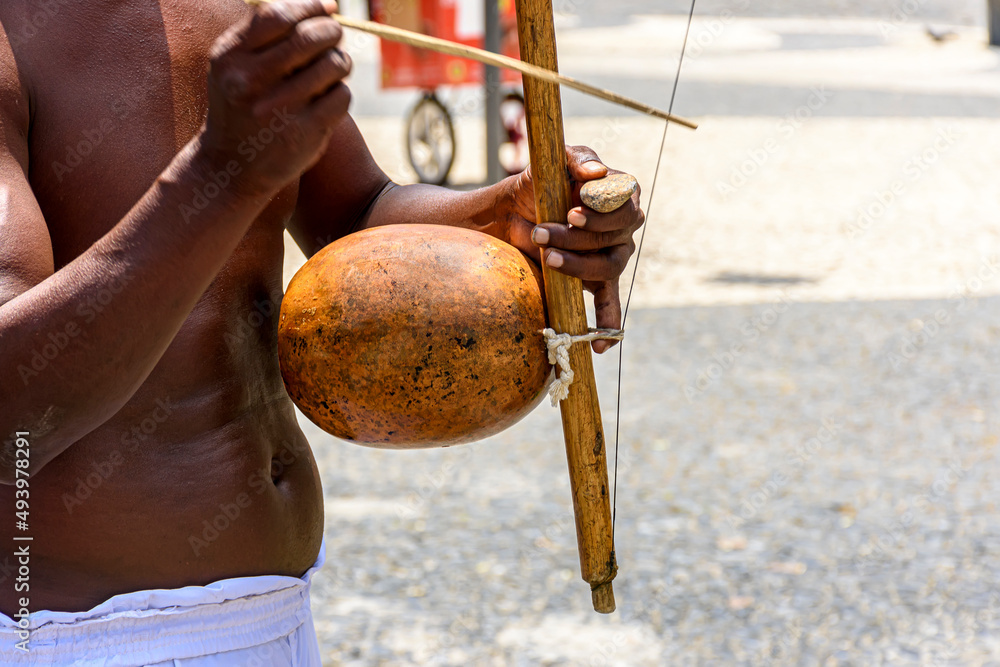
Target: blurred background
{"x":810,"y":381}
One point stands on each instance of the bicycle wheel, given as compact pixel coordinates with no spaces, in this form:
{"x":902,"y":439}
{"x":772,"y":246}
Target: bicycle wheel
{"x":430,"y":140}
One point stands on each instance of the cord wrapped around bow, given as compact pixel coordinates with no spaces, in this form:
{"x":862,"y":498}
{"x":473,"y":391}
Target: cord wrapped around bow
{"x":559,"y":345}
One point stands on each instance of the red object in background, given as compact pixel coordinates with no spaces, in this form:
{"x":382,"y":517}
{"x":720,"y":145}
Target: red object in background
{"x":459,"y":21}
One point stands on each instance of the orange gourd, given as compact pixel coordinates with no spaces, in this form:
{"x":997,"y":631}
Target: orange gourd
{"x":413,"y":336}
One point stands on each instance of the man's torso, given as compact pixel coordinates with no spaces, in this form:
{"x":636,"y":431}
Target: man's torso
{"x":204,"y":474}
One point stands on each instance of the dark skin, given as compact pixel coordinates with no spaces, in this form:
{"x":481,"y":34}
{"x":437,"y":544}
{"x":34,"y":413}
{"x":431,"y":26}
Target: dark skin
{"x":162,"y":407}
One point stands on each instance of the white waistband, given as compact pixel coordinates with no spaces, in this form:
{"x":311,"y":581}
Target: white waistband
{"x":157,"y":625}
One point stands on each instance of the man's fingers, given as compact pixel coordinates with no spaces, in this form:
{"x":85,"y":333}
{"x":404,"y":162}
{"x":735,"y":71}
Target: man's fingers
{"x":299,"y":91}
{"x":608,"y":304}
{"x":594,"y":266}
{"x":305,"y":36}
{"x":629,"y":217}
{"x":565,"y":237}
{"x":331,"y":106}
{"x":308,"y":41}
{"x":274,"y":21}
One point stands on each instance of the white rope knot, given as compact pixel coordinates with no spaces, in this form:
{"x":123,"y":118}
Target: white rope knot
{"x":558,"y":346}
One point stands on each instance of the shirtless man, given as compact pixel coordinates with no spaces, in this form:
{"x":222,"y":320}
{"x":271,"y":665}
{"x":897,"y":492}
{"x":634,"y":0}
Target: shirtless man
{"x":152,"y":152}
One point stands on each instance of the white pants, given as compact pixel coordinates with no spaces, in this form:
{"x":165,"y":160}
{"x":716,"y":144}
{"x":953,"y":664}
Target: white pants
{"x":246,"y":622}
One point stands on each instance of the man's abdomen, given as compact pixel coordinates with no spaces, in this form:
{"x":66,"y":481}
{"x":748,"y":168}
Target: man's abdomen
{"x":203,"y":475}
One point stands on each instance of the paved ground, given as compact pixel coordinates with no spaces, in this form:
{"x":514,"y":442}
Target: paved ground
{"x":811,"y":418}
{"x":748,"y":533}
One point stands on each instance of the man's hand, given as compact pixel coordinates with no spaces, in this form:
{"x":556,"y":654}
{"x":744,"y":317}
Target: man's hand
{"x":275,"y":92}
{"x":592,"y":246}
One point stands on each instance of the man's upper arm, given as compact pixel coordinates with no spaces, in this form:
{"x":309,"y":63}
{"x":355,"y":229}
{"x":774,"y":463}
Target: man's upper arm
{"x":25,"y":246}
{"x":336,"y":194}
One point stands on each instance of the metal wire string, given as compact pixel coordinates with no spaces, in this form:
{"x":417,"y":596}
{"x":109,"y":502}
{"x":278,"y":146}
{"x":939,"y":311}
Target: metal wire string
{"x":635,"y":272}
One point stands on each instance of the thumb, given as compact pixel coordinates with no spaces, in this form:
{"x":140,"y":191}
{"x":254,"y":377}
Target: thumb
{"x":584,"y":165}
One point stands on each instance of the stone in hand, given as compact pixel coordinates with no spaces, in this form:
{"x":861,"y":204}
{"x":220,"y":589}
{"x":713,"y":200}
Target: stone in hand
{"x":609,"y":193}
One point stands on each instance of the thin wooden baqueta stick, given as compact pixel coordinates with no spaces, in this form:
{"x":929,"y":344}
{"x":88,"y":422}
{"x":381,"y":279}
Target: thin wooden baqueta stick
{"x":495,"y":59}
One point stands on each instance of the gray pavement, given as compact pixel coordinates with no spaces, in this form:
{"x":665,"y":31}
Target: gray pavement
{"x":811,"y":382}
{"x":813,"y":502}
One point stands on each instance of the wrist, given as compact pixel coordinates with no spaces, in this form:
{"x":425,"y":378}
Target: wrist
{"x":231,"y":175}
{"x":201,"y":185}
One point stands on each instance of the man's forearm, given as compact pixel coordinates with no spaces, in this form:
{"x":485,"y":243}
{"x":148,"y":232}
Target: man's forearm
{"x":432,"y":205}
{"x":146,"y":275}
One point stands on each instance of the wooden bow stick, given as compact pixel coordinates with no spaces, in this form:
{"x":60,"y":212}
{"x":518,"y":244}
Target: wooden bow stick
{"x":581,"y":411}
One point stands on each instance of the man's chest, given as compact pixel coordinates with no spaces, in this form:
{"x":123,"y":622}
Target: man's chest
{"x":117,"y":88}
